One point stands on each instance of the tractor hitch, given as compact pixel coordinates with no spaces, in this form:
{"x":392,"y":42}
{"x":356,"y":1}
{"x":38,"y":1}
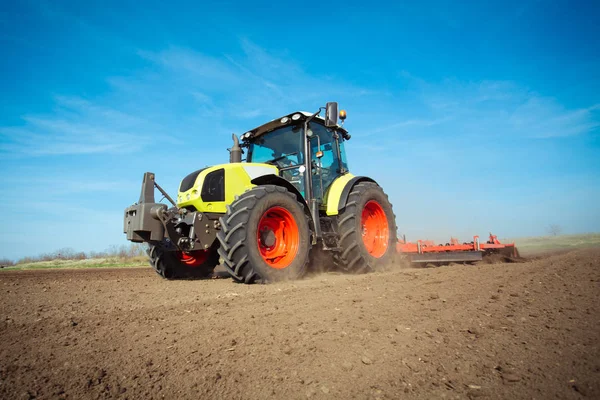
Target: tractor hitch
{"x":149,"y":221}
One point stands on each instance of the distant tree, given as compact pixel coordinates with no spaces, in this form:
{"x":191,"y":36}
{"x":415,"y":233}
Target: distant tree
{"x":554,"y":230}
{"x":66,"y":253}
{"x":5,"y":262}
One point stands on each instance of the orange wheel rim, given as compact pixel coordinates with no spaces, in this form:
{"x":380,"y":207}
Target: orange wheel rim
{"x":194,"y":258}
{"x":375,"y":229}
{"x":278,"y":237}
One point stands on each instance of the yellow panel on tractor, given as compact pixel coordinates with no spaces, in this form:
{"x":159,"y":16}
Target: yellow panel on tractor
{"x":238,"y":177}
{"x":335,"y":193}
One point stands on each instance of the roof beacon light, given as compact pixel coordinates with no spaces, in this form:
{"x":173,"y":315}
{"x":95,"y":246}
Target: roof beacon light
{"x":342,"y":114}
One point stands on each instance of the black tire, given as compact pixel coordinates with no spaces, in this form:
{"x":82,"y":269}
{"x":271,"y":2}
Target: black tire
{"x":238,"y":237}
{"x":163,"y":259}
{"x":354,"y":256}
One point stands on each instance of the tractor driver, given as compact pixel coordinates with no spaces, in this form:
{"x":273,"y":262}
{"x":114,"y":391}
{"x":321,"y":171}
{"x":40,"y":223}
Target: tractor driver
{"x":292,"y":175}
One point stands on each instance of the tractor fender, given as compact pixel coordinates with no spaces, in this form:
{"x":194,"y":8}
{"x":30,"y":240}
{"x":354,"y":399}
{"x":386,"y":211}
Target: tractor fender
{"x":339,"y":192}
{"x":272,"y":179}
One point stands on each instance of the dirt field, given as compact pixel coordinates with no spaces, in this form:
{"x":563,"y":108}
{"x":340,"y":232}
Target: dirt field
{"x":526,"y":330}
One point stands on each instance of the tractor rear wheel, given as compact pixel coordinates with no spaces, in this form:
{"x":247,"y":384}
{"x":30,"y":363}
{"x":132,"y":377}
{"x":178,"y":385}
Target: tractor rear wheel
{"x":367,"y":230}
{"x":172,"y":264}
{"x":265,"y":236}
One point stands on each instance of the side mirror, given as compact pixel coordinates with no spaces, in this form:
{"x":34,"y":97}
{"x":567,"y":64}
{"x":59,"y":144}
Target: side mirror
{"x":331,"y":114}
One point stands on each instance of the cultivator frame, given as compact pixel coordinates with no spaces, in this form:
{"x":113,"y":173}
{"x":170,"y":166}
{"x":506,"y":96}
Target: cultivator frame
{"x":426,"y":251}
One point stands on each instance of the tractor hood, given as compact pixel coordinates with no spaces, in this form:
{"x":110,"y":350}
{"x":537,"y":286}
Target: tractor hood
{"x":211,"y":189}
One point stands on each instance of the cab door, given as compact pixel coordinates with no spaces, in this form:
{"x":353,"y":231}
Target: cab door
{"x":325,"y":159}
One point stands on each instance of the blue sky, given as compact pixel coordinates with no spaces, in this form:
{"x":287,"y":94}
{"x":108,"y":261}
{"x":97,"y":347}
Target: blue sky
{"x":474,"y":117}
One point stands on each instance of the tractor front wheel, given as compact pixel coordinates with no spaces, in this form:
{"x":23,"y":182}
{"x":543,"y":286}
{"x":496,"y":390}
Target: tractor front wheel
{"x":367,"y":230}
{"x":265,"y":236}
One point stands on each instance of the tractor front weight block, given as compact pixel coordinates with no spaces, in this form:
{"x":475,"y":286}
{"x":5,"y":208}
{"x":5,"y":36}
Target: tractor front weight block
{"x":141,"y":225}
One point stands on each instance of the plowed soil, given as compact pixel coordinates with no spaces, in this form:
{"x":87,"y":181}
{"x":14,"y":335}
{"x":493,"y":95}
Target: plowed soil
{"x":521,"y":330}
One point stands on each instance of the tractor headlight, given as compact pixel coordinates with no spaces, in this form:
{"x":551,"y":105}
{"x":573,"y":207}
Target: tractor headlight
{"x":187,"y":196}
{"x":296,"y":117}
{"x":284,"y":120}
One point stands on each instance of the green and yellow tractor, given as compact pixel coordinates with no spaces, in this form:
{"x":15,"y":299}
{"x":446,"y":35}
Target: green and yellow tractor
{"x":266,"y":217}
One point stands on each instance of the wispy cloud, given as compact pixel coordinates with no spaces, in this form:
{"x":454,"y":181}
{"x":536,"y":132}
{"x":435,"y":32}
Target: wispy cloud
{"x":203,"y":68}
{"x":76,"y":127}
{"x":543,"y":118}
{"x":408,"y":124}
{"x":242,"y":81}
{"x":495,"y":108}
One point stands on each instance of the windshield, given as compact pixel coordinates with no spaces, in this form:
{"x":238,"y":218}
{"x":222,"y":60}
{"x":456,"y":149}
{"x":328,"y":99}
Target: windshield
{"x":282,"y":146}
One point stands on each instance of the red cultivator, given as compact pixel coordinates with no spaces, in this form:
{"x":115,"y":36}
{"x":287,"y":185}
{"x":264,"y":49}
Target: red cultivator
{"x":426,"y":251}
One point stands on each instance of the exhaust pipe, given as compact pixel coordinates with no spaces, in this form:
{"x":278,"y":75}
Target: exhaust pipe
{"x":235,"y":154}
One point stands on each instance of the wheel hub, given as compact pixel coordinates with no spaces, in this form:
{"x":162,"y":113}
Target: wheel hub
{"x":267,"y":237}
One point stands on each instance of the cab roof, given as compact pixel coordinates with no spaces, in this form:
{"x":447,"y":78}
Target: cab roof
{"x":299,"y":116}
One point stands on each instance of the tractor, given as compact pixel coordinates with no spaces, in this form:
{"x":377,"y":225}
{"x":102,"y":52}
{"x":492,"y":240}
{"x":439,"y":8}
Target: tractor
{"x":265,"y":218}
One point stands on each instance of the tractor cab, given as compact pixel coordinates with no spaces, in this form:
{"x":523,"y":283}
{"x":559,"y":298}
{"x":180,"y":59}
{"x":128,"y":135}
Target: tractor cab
{"x":307,"y":150}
